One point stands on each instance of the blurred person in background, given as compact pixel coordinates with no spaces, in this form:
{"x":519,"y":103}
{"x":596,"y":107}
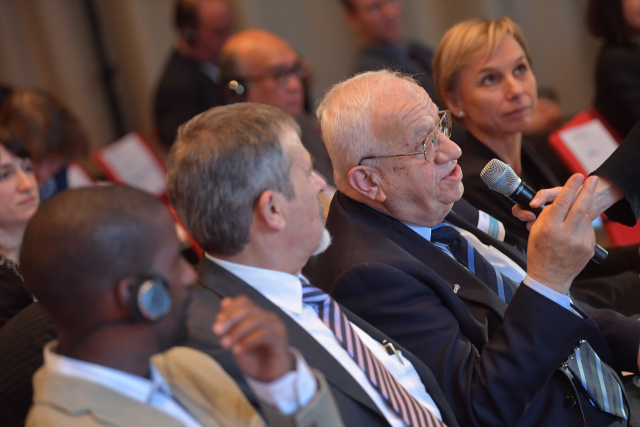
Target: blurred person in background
{"x":483,"y":73}
{"x":51,"y":132}
{"x":379,"y":25}
{"x":258,"y":66}
{"x":18,"y":202}
{"x":617,"y":24}
{"x":190,"y":81}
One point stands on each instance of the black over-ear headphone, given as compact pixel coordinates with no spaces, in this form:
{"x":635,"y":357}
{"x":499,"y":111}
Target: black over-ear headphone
{"x":149,"y":298}
{"x":234,"y":90}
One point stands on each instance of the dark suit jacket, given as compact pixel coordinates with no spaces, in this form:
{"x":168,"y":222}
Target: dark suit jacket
{"x":622,"y":169}
{"x":355,"y":406}
{"x":497,"y":365}
{"x":21,"y":343}
{"x":618,"y":86}
{"x":183,"y":92}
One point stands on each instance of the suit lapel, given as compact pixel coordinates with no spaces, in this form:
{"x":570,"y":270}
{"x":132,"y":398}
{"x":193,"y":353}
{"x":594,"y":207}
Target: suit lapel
{"x":225,"y":284}
{"x":447,"y":268}
{"x":427,"y":253}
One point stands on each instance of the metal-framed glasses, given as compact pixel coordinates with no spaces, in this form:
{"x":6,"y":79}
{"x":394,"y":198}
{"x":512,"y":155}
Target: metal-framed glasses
{"x":429,"y":147}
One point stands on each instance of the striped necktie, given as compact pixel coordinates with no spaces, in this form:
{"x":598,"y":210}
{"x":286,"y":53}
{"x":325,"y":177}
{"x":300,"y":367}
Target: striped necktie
{"x":399,"y":400}
{"x":599,"y":383}
{"x":468,"y":256}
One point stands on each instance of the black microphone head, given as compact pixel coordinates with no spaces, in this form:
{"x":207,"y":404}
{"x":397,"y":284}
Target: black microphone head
{"x":500,"y":177}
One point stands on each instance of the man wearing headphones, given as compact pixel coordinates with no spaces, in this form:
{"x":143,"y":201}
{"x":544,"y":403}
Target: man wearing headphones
{"x":105,"y":262}
{"x":190,"y":82}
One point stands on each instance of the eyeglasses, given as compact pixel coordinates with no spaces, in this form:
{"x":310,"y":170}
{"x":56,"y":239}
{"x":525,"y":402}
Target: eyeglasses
{"x":281,"y":74}
{"x":430,"y":143}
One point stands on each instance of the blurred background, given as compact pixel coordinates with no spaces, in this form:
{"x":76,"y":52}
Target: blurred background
{"x":103,"y":58}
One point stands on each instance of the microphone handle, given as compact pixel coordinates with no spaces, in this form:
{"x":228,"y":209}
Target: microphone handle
{"x":524,"y":194}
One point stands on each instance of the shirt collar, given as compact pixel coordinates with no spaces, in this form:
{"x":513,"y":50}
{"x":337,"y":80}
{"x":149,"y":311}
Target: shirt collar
{"x":423,"y":231}
{"x":132,"y":386}
{"x":282,"y":289}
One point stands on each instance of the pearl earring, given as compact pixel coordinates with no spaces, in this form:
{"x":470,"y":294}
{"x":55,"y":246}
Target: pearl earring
{"x":461,"y":113}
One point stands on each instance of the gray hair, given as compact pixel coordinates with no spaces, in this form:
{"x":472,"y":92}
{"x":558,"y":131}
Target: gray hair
{"x":346,"y":115}
{"x":220,"y":164}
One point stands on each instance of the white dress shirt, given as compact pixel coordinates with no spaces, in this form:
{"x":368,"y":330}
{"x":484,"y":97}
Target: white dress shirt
{"x":503,"y":263}
{"x":285,"y":291}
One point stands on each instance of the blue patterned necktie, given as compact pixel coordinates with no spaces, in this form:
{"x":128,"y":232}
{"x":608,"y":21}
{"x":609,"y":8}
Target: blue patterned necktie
{"x":467,"y":255}
{"x":599,"y":383}
{"x":394,"y":394}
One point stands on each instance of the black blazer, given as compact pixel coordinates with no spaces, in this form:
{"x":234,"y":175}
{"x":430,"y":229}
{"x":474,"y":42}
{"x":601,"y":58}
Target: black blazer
{"x":184,"y":91}
{"x":356,"y":408}
{"x":622,"y":169}
{"x":497,"y":365}
{"x":618,"y":86}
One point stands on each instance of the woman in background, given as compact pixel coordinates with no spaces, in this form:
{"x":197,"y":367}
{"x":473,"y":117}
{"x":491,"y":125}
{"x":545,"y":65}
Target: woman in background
{"x":18,"y":202}
{"x":617,"y":23}
{"x":483,"y":74}
{"x":51,"y":132}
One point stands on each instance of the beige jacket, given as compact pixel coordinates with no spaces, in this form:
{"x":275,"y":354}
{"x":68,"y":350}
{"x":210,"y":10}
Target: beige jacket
{"x":198,"y":383}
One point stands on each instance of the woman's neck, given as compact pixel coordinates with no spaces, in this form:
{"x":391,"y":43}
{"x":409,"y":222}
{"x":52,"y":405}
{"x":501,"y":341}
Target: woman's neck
{"x":507,"y":147}
{"x":11,"y":242}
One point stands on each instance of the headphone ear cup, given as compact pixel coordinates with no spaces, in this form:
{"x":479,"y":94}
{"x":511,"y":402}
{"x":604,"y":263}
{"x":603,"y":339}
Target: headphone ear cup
{"x":149,"y":299}
{"x":234,"y":90}
{"x":190,"y":35}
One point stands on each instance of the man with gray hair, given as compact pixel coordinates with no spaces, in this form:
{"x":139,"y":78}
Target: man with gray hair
{"x":243,"y":185}
{"x":505,"y":340}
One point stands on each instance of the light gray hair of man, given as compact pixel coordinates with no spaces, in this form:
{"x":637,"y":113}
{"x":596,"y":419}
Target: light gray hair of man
{"x":220,"y":164}
{"x":346,"y":115}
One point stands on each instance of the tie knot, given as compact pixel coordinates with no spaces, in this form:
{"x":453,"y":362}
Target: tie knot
{"x":312,"y":295}
{"x":444,"y":234}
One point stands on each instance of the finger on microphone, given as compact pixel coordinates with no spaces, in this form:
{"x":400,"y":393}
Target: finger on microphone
{"x":560,"y":207}
{"x":579,"y":211}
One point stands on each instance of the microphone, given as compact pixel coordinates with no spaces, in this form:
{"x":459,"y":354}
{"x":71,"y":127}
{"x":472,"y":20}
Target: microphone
{"x":501,"y":178}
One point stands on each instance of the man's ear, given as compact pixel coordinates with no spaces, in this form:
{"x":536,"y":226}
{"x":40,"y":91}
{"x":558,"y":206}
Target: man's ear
{"x":123,"y":293}
{"x":453,"y":102}
{"x":366,"y":180}
{"x":269,"y":210}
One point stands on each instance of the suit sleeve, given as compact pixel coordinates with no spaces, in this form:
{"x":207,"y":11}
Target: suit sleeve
{"x":477,"y":378}
{"x":621,"y":168}
{"x":321,"y":411}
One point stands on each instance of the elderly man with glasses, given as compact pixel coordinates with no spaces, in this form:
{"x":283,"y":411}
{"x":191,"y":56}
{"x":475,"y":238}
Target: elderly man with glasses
{"x":507,"y":343}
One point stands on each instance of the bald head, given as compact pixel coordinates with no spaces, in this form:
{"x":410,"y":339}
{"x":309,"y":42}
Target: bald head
{"x":359,"y":117}
{"x":82,"y":242}
{"x":269,"y":64}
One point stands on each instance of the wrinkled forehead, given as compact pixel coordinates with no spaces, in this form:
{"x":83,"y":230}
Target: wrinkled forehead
{"x":404,"y":112}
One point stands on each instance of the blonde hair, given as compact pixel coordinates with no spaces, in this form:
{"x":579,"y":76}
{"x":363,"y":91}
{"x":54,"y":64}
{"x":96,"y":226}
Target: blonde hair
{"x":346,"y":115}
{"x":467,"y":41}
